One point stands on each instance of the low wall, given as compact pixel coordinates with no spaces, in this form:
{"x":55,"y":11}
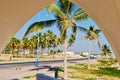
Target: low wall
{"x":41,"y":76}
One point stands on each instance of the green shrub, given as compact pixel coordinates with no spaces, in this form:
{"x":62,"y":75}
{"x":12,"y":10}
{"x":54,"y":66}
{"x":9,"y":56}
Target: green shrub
{"x":61,"y":69}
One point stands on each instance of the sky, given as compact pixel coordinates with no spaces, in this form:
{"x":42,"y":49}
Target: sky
{"x":79,"y":44}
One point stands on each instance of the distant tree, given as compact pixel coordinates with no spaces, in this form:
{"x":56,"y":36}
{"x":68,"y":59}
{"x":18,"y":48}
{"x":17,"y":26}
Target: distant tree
{"x":106,"y":50}
{"x":33,"y":44}
{"x":13,"y":45}
{"x":25,"y":45}
{"x":53,"y":52}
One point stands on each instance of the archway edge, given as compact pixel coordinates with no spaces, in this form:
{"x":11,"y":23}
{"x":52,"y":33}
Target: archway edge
{"x":106,"y":13}
{"x":14,"y":14}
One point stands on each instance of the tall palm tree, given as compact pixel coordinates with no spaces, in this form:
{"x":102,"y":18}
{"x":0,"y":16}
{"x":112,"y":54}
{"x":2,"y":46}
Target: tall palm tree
{"x":64,"y":17}
{"x":92,"y":34}
{"x":65,"y":20}
{"x":106,"y":50}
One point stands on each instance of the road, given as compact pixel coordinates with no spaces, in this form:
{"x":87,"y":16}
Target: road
{"x":9,"y":71}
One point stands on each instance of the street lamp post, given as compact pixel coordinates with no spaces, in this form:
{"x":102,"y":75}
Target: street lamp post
{"x":37,"y":53}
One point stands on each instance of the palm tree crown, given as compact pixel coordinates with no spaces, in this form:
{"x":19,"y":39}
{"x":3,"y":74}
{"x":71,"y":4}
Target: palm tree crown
{"x":91,"y":34}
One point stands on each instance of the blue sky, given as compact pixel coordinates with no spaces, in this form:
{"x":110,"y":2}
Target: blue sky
{"x":79,"y":45}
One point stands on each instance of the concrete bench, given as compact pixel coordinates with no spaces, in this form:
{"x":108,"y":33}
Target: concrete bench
{"x":41,"y":76}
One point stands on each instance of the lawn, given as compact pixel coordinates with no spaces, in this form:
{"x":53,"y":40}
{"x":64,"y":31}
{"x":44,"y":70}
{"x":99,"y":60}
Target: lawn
{"x":105,"y":69}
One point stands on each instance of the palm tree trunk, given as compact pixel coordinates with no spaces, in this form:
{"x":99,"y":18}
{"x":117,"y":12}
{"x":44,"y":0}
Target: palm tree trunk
{"x":90,"y":47}
{"x":23,"y":53}
{"x":42,"y":53}
{"x":65,"y":59}
{"x":11,"y":55}
{"x":17,"y":53}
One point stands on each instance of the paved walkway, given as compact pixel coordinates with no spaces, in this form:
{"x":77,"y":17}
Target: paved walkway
{"x":12,"y":73}
{"x":19,"y":73}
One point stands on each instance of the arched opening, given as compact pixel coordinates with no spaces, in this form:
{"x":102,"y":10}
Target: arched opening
{"x":90,"y":7}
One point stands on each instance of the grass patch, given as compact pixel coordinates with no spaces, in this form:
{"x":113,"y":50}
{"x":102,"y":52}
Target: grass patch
{"x":98,"y":71}
{"x":30,"y":76}
{"x":78,"y":66}
{"x":107,"y":62}
{"x":2,"y":60}
{"x":90,"y":79}
{"x":79,"y":71}
{"x":107,"y":71}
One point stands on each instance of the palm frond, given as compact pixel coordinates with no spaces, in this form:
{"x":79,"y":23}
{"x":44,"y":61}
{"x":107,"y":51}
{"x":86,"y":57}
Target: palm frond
{"x":56,"y":10}
{"x":34,"y":27}
{"x":71,"y":40}
{"x":92,"y":28}
{"x":38,"y":26}
{"x":74,"y":27}
{"x":80,"y":15}
{"x":72,"y":7}
{"x":66,"y":5}
{"x":97,"y":31}
{"x":82,"y":29}
{"x":49,"y":23}
{"x":93,"y":35}
{"x":62,"y":34}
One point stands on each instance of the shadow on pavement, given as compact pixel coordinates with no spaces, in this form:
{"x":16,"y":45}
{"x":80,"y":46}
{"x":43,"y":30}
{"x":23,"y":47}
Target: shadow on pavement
{"x":42,"y":67}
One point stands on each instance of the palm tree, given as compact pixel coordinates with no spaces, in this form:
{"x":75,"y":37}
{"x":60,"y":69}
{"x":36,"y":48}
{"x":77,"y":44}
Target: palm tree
{"x":59,"y":42}
{"x":43,"y":42}
{"x":26,"y":45}
{"x":54,"y":41}
{"x":13,"y":44}
{"x":64,"y":17}
{"x":50,"y":39}
{"x":33,"y":44}
{"x":106,"y":50}
{"x":52,"y":52}
{"x":65,"y":20}
{"x":92,"y":35}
